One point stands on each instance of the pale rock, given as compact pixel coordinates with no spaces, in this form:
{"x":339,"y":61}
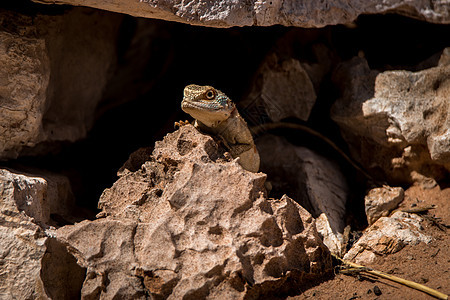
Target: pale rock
{"x":283,"y":88}
{"x":396,"y":122}
{"x":310,"y":179}
{"x":379,"y":202}
{"x":267,"y":13}
{"x":45,"y":93}
{"x":187,"y":223}
{"x":22,"y":247}
{"x":386,"y":236}
{"x":38,"y":195}
{"x":334,"y":240}
{"x":34,"y":266}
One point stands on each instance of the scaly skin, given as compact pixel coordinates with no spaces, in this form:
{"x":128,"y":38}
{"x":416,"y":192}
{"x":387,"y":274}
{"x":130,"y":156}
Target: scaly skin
{"x":216,"y":114}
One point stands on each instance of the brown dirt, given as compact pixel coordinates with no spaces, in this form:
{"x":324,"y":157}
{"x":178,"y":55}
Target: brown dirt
{"x":427,"y":264}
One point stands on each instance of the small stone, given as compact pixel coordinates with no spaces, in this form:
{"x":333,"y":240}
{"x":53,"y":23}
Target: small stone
{"x":377,"y":290}
{"x":379,"y":202}
{"x":387,"y":235}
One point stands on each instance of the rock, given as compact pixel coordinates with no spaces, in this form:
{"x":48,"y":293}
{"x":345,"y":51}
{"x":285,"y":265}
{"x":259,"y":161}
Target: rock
{"x":22,"y":247}
{"x":376,"y":290}
{"x":41,"y":195}
{"x":283,"y":88}
{"x":387,"y":235}
{"x":379,"y":202}
{"x":24,"y":80}
{"x":312,"y":180}
{"x":34,"y":265}
{"x":396,"y":122}
{"x":423,"y":181}
{"x":267,"y":13}
{"x":44,"y":91}
{"x":190,"y":224}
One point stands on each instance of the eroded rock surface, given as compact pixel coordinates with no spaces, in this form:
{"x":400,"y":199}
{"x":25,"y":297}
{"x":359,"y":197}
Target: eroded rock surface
{"x":396,"y":122}
{"x":39,"y":195}
{"x":34,"y":265}
{"x":388,"y":235}
{"x":312,"y":180}
{"x":266,"y":13}
{"x":190,"y":224}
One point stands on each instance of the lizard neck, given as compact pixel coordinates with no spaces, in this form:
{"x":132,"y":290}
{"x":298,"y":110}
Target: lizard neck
{"x":211,"y":124}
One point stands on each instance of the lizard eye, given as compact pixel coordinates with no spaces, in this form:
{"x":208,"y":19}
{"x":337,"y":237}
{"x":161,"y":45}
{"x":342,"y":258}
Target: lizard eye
{"x":210,"y":94}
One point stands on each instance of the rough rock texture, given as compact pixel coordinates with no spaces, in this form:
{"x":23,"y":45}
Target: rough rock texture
{"x":283,"y":88}
{"x":54,"y":69}
{"x":40,"y":195}
{"x":379,"y":202}
{"x":396,"y":121}
{"x":310,"y":179}
{"x":387,"y":235}
{"x":189,"y":224}
{"x":34,"y":265}
{"x":266,"y":13}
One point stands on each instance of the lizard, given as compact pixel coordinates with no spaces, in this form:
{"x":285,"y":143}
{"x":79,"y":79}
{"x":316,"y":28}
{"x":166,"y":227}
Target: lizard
{"x":216,"y":114}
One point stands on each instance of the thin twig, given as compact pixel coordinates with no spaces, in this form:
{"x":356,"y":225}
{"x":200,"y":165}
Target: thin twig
{"x":405,"y":282}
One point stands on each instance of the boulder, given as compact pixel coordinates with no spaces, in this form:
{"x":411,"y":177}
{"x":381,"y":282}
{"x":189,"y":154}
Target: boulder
{"x":45,"y":93}
{"x":191,"y":224}
{"x":34,"y":265}
{"x":396,"y":122}
{"x":266,"y":13}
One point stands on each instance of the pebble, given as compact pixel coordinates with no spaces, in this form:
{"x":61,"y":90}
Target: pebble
{"x":377,"y":290}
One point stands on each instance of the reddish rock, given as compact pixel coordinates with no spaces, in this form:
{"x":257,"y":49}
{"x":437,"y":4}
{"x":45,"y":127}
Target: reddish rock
{"x":189,"y":223}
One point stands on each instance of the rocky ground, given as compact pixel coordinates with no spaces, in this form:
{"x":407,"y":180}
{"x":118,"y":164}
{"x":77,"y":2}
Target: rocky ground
{"x":427,"y":264}
{"x":101,"y":198}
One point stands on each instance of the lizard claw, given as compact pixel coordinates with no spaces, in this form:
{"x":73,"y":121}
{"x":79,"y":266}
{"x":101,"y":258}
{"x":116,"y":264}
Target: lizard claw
{"x":180,"y":124}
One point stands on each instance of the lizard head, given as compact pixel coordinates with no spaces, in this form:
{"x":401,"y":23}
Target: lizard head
{"x":206,"y":104}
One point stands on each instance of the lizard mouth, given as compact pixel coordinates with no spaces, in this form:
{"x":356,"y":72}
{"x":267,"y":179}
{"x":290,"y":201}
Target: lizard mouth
{"x":199,"y":105}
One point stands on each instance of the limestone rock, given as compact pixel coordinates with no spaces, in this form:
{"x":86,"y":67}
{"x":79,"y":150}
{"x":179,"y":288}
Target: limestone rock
{"x":189,"y":223}
{"x":24,"y":78}
{"x":40,"y":195}
{"x":266,"y":13}
{"x":387,"y":235}
{"x":396,"y":122}
{"x":379,"y":202}
{"x":310,"y":179}
{"x":45,"y":94}
{"x":282,"y":88}
{"x":34,"y":265}
{"x":22,"y":247}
